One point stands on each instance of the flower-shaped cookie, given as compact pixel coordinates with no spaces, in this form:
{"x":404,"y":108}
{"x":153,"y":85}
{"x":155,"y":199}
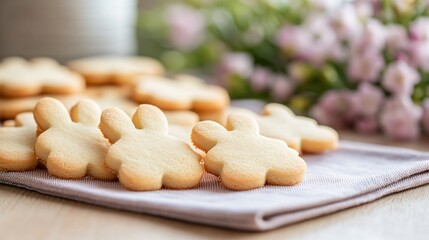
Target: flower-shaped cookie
{"x":19,"y":78}
{"x":300,"y":133}
{"x":17,"y":144}
{"x":180,"y":94}
{"x":116,"y":70}
{"x":244,"y":159}
{"x":143,"y":155}
{"x":71,"y":145}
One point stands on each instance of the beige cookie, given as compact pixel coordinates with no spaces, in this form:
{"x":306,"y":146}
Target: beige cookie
{"x":11,"y":107}
{"x":242,"y":158}
{"x":144,"y":156}
{"x":105,"y":96}
{"x":115,"y":69}
{"x":169,"y":94}
{"x":17,"y":140}
{"x":71,"y":145}
{"x":222,"y":116}
{"x":181,"y":118}
{"x":19,"y":78}
{"x":112,"y":96}
{"x":300,"y":133}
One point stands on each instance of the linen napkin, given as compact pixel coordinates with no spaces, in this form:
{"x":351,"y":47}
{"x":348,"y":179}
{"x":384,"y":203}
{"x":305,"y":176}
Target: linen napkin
{"x":354,"y":174}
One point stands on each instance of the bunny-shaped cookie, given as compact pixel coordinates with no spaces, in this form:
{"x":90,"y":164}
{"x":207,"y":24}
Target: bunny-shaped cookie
{"x":71,"y":145}
{"x":244,"y":159}
{"x":144,"y":156}
{"x":17,"y":144}
{"x":300,"y":133}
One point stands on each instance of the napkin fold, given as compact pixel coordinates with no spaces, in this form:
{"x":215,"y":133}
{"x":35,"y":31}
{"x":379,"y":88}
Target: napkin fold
{"x":354,"y":174}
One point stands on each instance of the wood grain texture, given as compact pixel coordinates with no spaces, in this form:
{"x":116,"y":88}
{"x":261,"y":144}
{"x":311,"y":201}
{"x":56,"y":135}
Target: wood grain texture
{"x":30,"y":215}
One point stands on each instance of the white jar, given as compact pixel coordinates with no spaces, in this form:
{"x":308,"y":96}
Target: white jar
{"x":67,"y":29}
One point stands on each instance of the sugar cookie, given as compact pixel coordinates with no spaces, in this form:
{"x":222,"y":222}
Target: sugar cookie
{"x":144,"y":156}
{"x":300,"y":133}
{"x":112,"y":96}
{"x":71,"y":145}
{"x":11,"y":107}
{"x":222,"y":116}
{"x":17,"y":144}
{"x":19,"y":78}
{"x":115,"y":69}
{"x":169,"y":94}
{"x":105,"y":96}
{"x":244,"y":159}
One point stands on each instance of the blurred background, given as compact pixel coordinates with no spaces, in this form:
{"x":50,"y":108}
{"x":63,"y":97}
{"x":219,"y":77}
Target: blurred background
{"x":360,"y":64}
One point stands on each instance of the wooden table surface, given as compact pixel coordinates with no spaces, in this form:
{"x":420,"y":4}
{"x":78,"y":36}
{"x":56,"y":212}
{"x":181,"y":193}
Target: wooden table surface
{"x":29,"y":215}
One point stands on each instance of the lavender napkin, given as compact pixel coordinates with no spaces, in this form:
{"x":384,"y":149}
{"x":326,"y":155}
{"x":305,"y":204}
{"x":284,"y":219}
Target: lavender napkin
{"x":354,"y":174}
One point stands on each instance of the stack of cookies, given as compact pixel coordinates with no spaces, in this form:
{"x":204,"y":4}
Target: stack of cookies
{"x":105,"y":134}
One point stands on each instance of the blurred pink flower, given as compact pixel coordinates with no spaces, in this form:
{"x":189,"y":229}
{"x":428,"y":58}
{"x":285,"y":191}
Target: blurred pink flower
{"x":345,"y":22}
{"x":324,"y":117}
{"x":396,"y":37}
{"x":372,"y":37}
{"x":281,"y":88}
{"x":326,"y":6}
{"x":292,"y":39}
{"x":425,"y":119}
{"x":400,"y":118}
{"x":419,"y":30}
{"x":367,"y":125}
{"x":364,"y":9}
{"x":419,"y":54}
{"x":365,"y":66}
{"x":186,"y":26}
{"x":339,"y":52}
{"x":260,"y":79}
{"x":335,"y":108}
{"x":369,"y":99}
{"x":237,"y":63}
{"x":400,"y":78}
{"x":321,"y":40}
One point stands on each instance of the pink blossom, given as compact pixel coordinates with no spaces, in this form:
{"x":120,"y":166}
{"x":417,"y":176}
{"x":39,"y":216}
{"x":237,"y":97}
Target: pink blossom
{"x":419,"y":54}
{"x":369,"y":99}
{"x":425,"y":119}
{"x":324,"y":118}
{"x":396,"y":37}
{"x":240,"y":64}
{"x":326,"y":6}
{"x":365,"y":66}
{"x":335,"y":108}
{"x":345,"y":22}
{"x":367,"y":125}
{"x":419,"y":29}
{"x":373,"y":36}
{"x":339,"y":52}
{"x":260,"y":79}
{"x":321,"y":39}
{"x":281,"y":88}
{"x":292,"y":39}
{"x":364,"y":9}
{"x":186,"y":26}
{"x":400,"y":78}
{"x":400,"y":118}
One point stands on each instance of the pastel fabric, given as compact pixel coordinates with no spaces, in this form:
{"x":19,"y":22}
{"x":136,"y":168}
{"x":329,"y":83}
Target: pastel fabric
{"x":354,"y":174}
